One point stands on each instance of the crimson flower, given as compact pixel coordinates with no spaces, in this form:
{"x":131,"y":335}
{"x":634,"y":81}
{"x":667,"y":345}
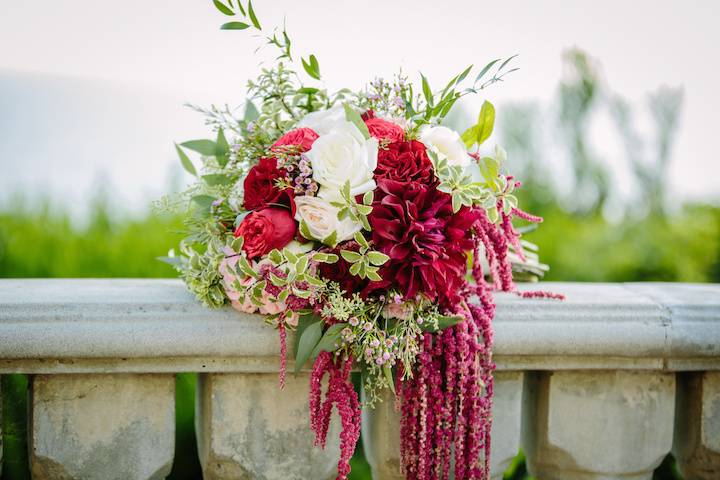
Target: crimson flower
{"x":405,"y":162}
{"x":259,"y":185}
{"x":266,"y":229}
{"x":413,"y":223}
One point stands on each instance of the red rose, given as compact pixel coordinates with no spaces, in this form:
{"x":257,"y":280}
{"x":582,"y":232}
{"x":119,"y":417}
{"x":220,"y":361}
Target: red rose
{"x":266,"y":229}
{"x":405,"y":162}
{"x":415,"y":226}
{"x":301,"y":137}
{"x":383,"y":129}
{"x":259,"y":186}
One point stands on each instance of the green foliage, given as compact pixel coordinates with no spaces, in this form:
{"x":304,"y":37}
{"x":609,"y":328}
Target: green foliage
{"x":44,"y":242}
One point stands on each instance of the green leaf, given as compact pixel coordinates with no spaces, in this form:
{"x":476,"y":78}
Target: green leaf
{"x":486,"y":121}
{"x":485,"y":69}
{"x":444,"y":321}
{"x":185,"y":160}
{"x":330,"y":341}
{"x":352,"y":116}
{"x":203,"y":201}
{"x":312,"y":67}
{"x":305,"y":231}
{"x":234,"y":26}
{"x":277,"y":281}
{"x":330,"y":240}
{"x":251,"y":112}
{"x":361,"y":240}
{"x":214,"y":179}
{"x":368,"y":197}
{"x":355,"y":268}
{"x":203,"y":147}
{"x":387,"y":371}
{"x":240,"y":7}
{"x":332,"y":258}
{"x":290,"y":256}
{"x":308,"y":90}
{"x":377,"y":258}
{"x":464,"y":74}
{"x":171,"y":260}
{"x":426,"y":90}
{"x":246,"y":268}
{"x":301,"y":264}
{"x":251,"y":14}
{"x":502,"y":65}
{"x":223,"y":8}
{"x":237,"y":243}
{"x":221,"y":148}
{"x":275,"y":256}
{"x":373,"y":275}
{"x":350,"y":256}
{"x":308,"y":340}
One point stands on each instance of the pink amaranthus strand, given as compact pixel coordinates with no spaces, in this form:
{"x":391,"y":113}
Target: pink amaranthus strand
{"x":341,"y":394}
{"x":283,"y":351}
{"x":447,"y":405}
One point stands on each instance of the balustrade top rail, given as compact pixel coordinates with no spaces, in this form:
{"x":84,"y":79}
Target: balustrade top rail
{"x":112,"y":325}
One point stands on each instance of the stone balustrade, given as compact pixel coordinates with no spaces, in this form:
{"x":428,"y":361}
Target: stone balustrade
{"x":601,"y":386}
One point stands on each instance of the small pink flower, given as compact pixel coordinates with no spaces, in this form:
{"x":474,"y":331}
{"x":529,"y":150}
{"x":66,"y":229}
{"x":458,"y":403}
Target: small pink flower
{"x":246,"y":306}
{"x":293,"y":319}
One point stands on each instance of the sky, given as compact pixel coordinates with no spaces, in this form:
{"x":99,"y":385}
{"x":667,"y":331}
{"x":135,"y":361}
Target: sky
{"x":91,"y":92}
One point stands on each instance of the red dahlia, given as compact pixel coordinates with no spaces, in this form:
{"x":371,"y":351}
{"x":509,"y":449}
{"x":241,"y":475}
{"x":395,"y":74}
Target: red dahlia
{"x":414,"y":224}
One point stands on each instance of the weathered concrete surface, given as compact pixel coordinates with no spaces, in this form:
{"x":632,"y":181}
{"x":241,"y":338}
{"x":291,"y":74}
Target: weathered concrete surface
{"x":116,"y":325}
{"x":381,"y":430}
{"x":104,"y":427}
{"x":697,"y":425}
{"x":249,"y":429}
{"x":598,"y":425}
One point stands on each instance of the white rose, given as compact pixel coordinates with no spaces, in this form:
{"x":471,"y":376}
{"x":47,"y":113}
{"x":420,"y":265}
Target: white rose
{"x":324,"y":121}
{"x":340,"y":154}
{"x":447,"y":143}
{"x":322,"y":220}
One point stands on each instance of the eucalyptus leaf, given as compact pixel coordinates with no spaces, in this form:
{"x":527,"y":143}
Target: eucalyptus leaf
{"x":330,"y":341}
{"x":203,"y":147}
{"x":185,"y":161}
{"x":308,"y":339}
{"x":214,"y":179}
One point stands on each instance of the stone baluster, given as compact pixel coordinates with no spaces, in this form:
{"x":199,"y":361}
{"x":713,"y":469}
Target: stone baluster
{"x":102,"y":426}
{"x":697,"y":425}
{"x":247,"y":428}
{"x":598,"y":425}
{"x":381,"y":430}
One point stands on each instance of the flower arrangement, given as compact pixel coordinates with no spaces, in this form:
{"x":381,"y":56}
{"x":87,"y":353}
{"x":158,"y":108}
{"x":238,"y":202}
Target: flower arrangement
{"x":360,"y":222}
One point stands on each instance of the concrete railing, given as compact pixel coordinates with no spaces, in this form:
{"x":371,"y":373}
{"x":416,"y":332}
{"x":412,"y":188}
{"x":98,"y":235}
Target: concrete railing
{"x":601,"y":386}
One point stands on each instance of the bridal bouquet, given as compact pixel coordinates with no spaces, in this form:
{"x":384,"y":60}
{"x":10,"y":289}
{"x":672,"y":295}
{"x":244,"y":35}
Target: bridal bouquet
{"x":361,"y":222}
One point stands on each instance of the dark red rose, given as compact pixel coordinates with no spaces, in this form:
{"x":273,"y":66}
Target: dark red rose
{"x":385,"y":130}
{"x":266,"y":229}
{"x":405,"y":162}
{"x":413,"y":223}
{"x":301,"y":137}
{"x":340,"y":271}
{"x":259,"y":185}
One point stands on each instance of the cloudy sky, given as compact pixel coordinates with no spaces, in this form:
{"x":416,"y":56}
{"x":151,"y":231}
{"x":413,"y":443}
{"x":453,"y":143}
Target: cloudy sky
{"x":91,"y":92}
